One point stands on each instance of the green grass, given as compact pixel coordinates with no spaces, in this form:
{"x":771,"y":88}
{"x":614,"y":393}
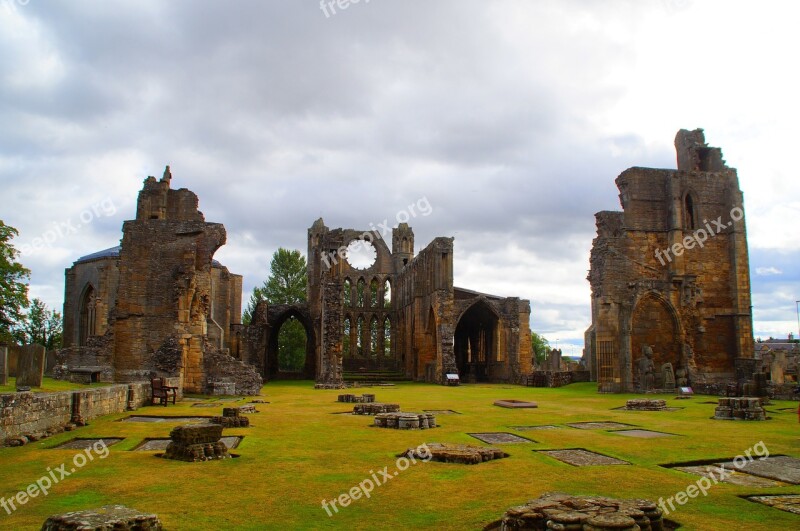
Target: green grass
{"x":298,"y":453}
{"x":49,"y":385}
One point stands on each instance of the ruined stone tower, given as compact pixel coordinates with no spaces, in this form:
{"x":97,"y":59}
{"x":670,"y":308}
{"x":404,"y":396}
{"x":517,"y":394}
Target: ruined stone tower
{"x":157,"y":305}
{"x":671,"y":272}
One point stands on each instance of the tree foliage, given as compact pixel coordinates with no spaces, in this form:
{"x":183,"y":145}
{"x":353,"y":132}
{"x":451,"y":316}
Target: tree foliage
{"x":540,"y":347}
{"x":286,"y":283}
{"x":292,"y":346}
{"x":13,"y":289}
{"x":40,"y":325}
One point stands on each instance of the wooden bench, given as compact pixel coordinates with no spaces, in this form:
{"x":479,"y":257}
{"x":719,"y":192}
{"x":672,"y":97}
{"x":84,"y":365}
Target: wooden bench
{"x":161,"y":391}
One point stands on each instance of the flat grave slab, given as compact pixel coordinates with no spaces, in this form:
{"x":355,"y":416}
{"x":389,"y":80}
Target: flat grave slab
{"x":581,"y":457}
{"x":732,"y":477}
{"x":207,"y":404}
{"x":643,"y":434}
{"x":531,"y":428}
{"x":599,"y":425}
{"x":159,"y":445}
{"x":154,"y":418}
{"x":773,"y":471}
{"x":84,"y":444}
{"x":441,"y":411}
{"x":516,"y":404}
{"x":778,"y":468}
{"x":788,"y":502}
{"x":500,"y":438}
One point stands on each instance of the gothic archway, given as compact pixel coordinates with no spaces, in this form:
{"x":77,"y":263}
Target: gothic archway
{"x":654,"y":323}
{"x":285,"y":360}
{"x":475,"y":341}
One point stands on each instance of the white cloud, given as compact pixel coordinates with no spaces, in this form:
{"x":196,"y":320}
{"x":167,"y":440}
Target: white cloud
{"x":512,"y":117}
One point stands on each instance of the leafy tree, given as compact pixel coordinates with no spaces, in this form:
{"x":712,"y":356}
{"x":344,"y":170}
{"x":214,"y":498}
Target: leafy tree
{"x":40,"y":325}
{"x":540,"y":347}
{"x":285,"y":285}
{"x":292,"y":346}
{"x":13,"y":289}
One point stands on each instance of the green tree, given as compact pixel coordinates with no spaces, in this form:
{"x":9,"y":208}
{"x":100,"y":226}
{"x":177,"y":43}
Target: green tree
{"x":40,"y":325}
{"x":13,"y":289}
{"x":292,"y":346}
{"x":286,"y":283}
{"x":540,"y":347}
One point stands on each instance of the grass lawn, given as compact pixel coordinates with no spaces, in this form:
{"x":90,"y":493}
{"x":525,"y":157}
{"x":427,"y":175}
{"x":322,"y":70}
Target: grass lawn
{"x":297,"y":453}
{"x":49,"y":385}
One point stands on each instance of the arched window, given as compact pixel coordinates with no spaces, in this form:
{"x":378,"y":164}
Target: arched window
{"x":347,"y":293}
{"x":360,"y":293}
{"x":373,"y":338}
{"x":346,"y":338}
{"x":373,"y":293}
{"x":360,"y":337}
{"x":689,"y":222}
{"x":86,"y":328}
{"x":387,"y":294}
{"x":387,"y":338}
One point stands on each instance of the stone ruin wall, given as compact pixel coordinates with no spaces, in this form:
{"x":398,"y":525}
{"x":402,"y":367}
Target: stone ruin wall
{"x":39,"y":413}
{"x":161,"y":304}
{"x":700,"y":299}
{"x":164,"y":283}
{"x":425,"y":313}
{"x":103,"y":276}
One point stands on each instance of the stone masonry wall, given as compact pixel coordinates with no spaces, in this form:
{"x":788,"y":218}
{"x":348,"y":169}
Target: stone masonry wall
{"x":671,"y":271}
{"x":164,"y":282}
{"x":36,"y":413}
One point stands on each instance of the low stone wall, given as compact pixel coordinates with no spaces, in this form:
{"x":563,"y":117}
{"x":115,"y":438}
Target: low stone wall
{"x":783,"y":391}
{"x":581,"y":376}
{"x":42,"y":414}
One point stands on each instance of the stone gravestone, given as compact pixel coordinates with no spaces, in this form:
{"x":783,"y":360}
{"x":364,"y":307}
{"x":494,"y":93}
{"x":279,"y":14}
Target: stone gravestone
{"x":669,"y":377}
{"x":554,"y":361}
{"x":3,"y":365}
{"x":49,"y":362}
{"x":30,"y":366}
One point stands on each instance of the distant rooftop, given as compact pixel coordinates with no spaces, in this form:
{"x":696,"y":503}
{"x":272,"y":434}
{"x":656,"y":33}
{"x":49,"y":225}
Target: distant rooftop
{"x":113,"y":252}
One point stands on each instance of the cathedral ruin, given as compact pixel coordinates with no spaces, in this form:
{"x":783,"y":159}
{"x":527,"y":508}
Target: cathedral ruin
{"x":160,"y":305}
{"x":400,"y":314}
{"x":670,"y":278}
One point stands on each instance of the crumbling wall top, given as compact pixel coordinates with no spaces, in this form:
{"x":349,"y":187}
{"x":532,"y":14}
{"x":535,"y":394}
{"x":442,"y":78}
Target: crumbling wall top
{"x":158,"y":201}
{"x":695,"y":155}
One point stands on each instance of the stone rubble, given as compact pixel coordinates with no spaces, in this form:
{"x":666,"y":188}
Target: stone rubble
{"x":559,"y":511}
{"x":740,"y":409}
{"x":196,"y":442}
{"x":405,"y":421}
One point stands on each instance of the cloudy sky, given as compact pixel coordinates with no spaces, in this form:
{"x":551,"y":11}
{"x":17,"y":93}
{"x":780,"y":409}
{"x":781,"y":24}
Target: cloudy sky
{"x":512,"y":118}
